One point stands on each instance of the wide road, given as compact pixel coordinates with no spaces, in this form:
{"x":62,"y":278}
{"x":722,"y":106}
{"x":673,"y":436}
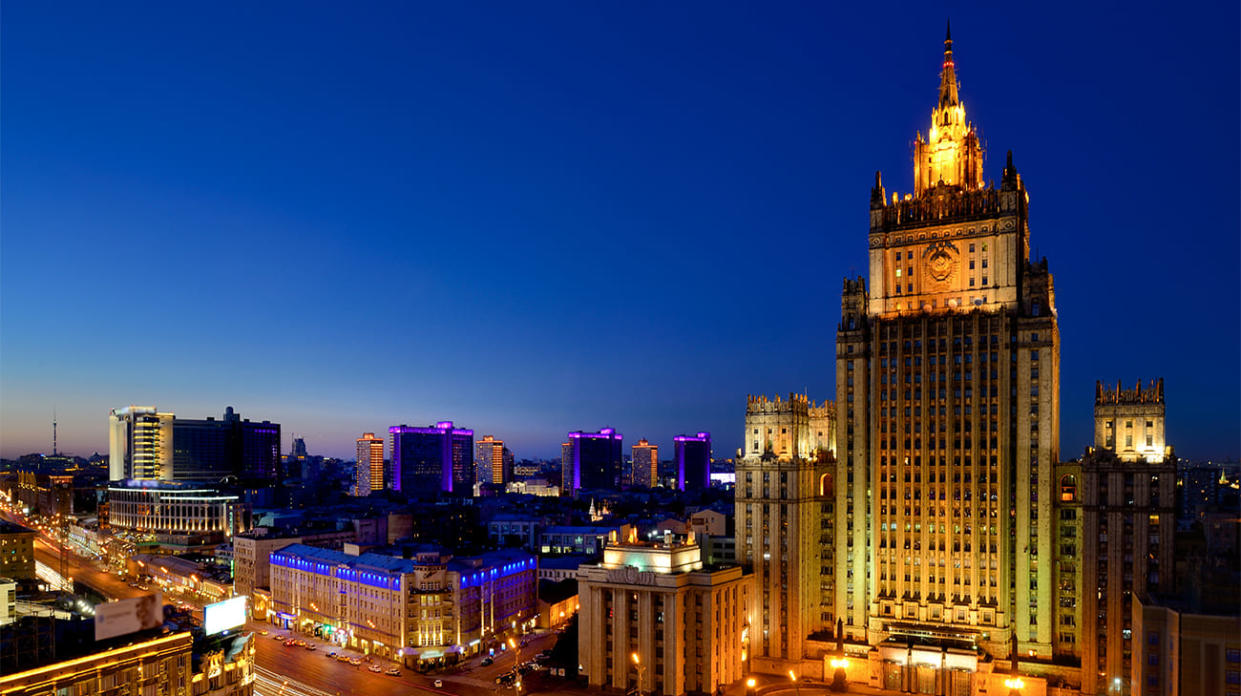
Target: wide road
{"x":47,"y":552}
{"x":82,"y":570}
{"x":312,"y":673}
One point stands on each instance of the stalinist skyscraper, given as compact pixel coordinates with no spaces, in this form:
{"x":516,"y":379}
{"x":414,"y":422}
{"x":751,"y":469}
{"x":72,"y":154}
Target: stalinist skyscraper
{"x":947,"y":412}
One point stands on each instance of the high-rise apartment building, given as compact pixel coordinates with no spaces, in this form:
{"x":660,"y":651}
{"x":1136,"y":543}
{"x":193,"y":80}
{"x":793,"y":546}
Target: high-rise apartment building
{"x":435,"y":458}
{"x":781,"y":481}
{"x":595,"y":459}
{"x":947,"y":401}
{"x":369,"y":467}
{"x":693,"y":461}
{"x":493,"y":461}
{"x":645,"y":459}
{"x":139,"y":444}
{"x":1129,"y":524}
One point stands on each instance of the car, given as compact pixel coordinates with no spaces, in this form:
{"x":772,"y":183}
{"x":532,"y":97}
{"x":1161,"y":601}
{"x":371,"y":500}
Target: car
{"x":311,"y":646}
{"x":394,"y":671}
{"x":301,"y":643}
{"x":342,"y":657}
{"x":354,"y":661}
{"x":331,"y":654}
{"x":439,"y":683}
{"x":376,"y":669}
{"x":544,"y":655}
{"x":277,"y":637}
{"x":487,"y":661}
{"x":263,"y":632}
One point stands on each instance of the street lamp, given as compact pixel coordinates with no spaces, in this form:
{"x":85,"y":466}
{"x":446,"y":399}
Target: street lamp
{"x":839,"y":679}
{"x":641,"y":669}
{"x":796,"y":684}
{"x":1015,"y":685}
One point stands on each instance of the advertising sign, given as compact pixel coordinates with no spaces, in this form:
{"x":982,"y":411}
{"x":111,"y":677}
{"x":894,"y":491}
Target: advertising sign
{"x":129,"y":615}
{"x":222,"y":616}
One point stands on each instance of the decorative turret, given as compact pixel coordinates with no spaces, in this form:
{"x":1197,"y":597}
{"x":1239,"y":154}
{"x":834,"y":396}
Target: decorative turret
{"x":950,"y":155}
{"x":877,"y":194}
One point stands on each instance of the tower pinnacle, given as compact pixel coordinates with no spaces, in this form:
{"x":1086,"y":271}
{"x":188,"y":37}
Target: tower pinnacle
{"x":948,"y":78}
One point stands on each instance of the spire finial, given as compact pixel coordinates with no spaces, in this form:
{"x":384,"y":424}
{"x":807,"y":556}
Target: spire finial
{"x":948,"y":78}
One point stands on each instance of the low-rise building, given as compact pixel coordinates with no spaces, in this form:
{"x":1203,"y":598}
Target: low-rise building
{"x":578,"y":539}
{"x":252,"y":550}
{"x":558,"y":603}
{"x":16,"y":551}
{"x":510,"y":529}
{"x":430,"y":607}
{"x":177,"y":515}
{"x":655,"y":618}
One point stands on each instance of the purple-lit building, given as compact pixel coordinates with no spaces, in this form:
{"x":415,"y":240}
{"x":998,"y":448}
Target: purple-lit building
{"x":693,"y":458}
{"x":435,"y":458}
{"x":596,"y":459}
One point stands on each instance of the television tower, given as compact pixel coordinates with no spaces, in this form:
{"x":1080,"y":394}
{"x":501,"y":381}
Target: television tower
{"x":53,"y":432}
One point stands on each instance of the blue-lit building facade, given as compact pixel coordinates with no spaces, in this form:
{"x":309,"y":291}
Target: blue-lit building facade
{"x":430,"y":608}
{"x":693,"y":460}
{"x":596,"y":459}
{"x":435,"y":458}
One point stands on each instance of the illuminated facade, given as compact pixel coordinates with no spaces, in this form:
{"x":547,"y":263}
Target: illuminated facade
{"x":781,"y":481}
{"x":645,"y":458}
{"x":16,"y":551}
{"x":947,"y":378}
{"x":1130,"y":422}
{"x":158,"y":666}
{"x":652,"y":616}
{"x":435,"y":458}
{"x":425,"y":608}
{"x":369,"y":465}
{"x":139,"y":444}
{"x":175,"y":510}
{"x":493,"y":460}
{"x":1129,"y":526}
{"x":693,"y":461}
{"x":595,"y":459}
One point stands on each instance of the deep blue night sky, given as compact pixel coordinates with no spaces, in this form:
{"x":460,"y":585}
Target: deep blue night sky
{"x":535,"y":217}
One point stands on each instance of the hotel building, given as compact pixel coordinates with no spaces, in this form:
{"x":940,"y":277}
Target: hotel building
{"x":693,"y":461}
{"x":435,"y":458}
{"x":645,"y":458}
{"x":654,"y":618}
{"x":175,"y":513}
{"x":430,"y":608}
{"x":139,"y":444}
{"x":369,"y":466}
{"x":595,"y":459}
{"x":494,"y":461}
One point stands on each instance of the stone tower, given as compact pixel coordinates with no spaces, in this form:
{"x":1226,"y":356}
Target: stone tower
{"x":947,"y":405}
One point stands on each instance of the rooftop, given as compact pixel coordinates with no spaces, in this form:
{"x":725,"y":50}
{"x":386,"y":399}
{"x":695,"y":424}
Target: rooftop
{"x":7,"y":527}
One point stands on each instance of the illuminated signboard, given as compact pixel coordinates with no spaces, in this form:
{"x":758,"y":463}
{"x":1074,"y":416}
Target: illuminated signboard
{"x":222,"y":616}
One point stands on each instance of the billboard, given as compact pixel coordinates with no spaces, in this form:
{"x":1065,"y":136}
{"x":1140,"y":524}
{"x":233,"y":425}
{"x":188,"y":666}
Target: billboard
{"x":129,"y":615}
{"x":222,"y":616}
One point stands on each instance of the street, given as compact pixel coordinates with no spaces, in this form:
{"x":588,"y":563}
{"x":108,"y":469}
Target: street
{"x":312,"y":673}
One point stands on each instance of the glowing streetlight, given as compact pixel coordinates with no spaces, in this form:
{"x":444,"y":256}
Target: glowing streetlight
{"x":796,"y":684}
{"x":641,"y":669}
{"x":839,"y":679}
{"x":1015,"y":685}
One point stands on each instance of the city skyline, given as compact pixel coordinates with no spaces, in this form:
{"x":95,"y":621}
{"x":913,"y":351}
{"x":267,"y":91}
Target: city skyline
{"x":433,"y":156}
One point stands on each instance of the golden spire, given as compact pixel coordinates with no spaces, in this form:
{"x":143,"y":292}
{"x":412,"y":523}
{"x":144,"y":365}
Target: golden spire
{"x":950,"y":155}
{"x":948,"y":77}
